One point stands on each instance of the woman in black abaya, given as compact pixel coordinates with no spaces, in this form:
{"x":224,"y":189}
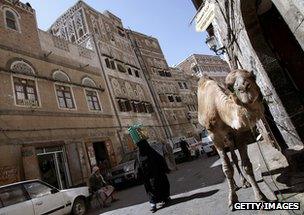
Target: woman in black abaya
{"x":154,"y":169}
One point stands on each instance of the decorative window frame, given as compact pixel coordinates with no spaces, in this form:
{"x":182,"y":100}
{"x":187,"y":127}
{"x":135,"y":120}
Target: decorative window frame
{"x":72,"y":93}
{"x":25,"y":76}
{"x":17,"y":18}
{"x":98,"y":97}
{"x":14,"y":90}
{"x":90,"y":89}
{"x":60,"y":83}
{"x":60,"y":71}
{"x":23,"y":62}
{"x":89,"y":79}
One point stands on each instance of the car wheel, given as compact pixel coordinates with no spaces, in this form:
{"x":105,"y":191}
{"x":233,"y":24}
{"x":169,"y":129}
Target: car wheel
{"x":79,"y":207}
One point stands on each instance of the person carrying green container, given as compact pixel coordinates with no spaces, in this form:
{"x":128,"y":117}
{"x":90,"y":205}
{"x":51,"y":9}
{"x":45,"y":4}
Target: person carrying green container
{"x":153,"y":168}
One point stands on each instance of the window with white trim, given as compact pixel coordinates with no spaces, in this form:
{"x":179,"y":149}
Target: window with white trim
{"x":25,"y":92}
{"x":11,"y":20}
{"x":92,"y":99}
{"x":91,"y":95}
{"x":22,"y":67}
{"x":64,"y":96}
{"x":24,"y":87}
{"x":63,"y":92}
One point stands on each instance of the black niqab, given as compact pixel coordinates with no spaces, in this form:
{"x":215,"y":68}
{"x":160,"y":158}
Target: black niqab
{"x":154,"y":169}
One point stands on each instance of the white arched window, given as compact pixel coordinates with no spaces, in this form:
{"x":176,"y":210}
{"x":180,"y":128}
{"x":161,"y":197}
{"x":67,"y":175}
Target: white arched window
{"x":61,"y":76}
{"x":88,"y":82}
{"x":91,"y":94}
{"x":63,"y":91}
{"x":11,"y":19}
{"x":25,"y":87}
{"x":22,"y":67}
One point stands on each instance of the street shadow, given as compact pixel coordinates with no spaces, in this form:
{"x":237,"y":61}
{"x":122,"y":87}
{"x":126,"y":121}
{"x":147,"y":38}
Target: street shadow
{"x":196,"y":174}
{"x":190,"y":176}
{"x":293,"y":181}
{"x":188,"y":198}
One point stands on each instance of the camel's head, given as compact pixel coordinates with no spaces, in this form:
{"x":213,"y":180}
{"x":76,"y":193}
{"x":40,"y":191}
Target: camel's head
{"x":243,"y":84}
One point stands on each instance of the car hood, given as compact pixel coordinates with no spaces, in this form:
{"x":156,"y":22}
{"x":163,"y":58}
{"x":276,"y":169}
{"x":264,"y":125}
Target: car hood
{"x":73,"y":192}
{"x":206,"y":139}
{"x":122,"y":165}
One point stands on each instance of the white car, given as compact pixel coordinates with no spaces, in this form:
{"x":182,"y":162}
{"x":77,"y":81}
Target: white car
{"x":208,"y":146}
{"x":194,"y":148}
{"x":37,"y":197}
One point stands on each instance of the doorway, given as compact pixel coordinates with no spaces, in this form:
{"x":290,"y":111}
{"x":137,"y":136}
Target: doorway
{"x":53,"y":167}
{"x":101,"y":152}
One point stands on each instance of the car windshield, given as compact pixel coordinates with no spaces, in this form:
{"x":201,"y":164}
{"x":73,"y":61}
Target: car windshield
{"x":191,"y":141}
{"x":128,"y":157}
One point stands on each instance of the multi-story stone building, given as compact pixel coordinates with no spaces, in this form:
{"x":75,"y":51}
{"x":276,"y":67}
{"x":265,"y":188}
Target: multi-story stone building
{"x":212,"y":66}
{"x":56,"y":114}
{"x":169,"y":87}
{"x":105,"y":34}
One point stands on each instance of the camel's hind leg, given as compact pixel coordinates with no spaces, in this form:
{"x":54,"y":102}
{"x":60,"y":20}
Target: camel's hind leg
{"x":244,"y":182}
{"x":228,"y":171}
{"x":259,"y":196}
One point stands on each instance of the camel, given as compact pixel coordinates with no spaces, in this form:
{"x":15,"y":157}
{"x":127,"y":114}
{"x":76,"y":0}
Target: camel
{"x":225,"y":114}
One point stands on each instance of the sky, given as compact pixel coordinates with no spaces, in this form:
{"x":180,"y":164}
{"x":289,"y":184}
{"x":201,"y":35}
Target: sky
{"x":167,"y":20}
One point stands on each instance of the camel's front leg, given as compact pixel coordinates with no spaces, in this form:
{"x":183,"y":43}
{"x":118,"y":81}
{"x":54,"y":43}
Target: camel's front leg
{"x":259,"y":196}
{"x":244,"y":182}
{"x":228,"y":171}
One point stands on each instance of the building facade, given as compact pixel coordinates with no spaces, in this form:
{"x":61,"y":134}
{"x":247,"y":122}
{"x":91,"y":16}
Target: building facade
{"x":266,"y":37}
{"x":105,"y":34}
{"x":55,"y":108}
{"x":169,"y":86}
{"x":199,"y":65}
{"x":68,"y":95}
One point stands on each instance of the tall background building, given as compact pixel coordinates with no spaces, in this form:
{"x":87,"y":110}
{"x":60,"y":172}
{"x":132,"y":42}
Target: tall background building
{"x":209,"y":65}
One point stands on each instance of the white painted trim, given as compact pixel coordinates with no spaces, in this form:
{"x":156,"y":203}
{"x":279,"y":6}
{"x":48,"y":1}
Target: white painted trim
{"x":60,"y":71}
{"x":5,"y":8}
{"x":21,"y":61}
{"x":88,"y":78}
{"x":71,"y":89}
{"x":36,"y":86}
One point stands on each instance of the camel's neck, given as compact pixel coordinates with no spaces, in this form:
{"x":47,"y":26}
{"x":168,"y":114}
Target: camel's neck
{"x":236,"y":114}
{"x":253,"y":113}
